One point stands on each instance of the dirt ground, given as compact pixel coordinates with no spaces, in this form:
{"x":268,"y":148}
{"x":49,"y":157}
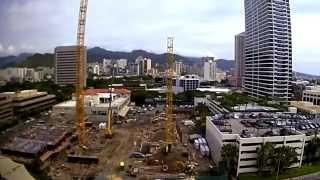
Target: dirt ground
{"x":127,"y":138}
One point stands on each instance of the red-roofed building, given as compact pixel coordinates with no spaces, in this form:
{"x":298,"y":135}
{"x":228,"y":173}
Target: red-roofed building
{"x":97,"y":102}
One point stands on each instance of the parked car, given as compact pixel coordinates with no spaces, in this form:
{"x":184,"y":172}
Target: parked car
{"x":136,"y":155}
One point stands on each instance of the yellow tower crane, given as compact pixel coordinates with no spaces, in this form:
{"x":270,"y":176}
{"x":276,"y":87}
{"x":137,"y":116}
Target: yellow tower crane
{"x":169,"y":134}
{"x":108,"y":130}
{"x":80,"y":73}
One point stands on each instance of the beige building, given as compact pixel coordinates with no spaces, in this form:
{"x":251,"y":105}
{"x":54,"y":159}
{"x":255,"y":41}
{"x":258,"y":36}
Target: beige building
{"x":6,"y":110}
{"x":65,"y":65}
{"x":29,"y":101}
{"x":306,"y":107}
{"x":312,"y":94}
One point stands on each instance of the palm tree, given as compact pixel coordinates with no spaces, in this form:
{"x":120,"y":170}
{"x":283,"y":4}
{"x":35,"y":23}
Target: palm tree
{"x":312,"y":150}
{"x":285,"y":156}
{"x":229,"y":154}
{"x":265,"y":154}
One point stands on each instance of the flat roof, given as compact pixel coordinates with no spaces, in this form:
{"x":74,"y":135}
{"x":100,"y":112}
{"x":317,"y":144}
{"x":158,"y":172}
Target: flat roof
{"x":250,"y":128}
{"x":72,"y":103}
{"x":214,"y":89}
{"x":92,"y":91}
{"x":253,"y":107}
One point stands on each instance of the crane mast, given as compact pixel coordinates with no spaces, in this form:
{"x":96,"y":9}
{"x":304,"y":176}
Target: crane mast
{"x":169,"y":134}
{"x":108,"y":130}
{"x":80,"y":73}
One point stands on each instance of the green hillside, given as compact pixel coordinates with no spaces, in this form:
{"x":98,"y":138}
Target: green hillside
{"x":37,"y":60}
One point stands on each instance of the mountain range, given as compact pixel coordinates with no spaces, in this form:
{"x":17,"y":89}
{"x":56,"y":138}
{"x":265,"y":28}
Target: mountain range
{"x":97,"y":54}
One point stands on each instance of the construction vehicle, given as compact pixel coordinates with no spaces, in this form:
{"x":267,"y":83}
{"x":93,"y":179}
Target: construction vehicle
{"x":121,"y":165}
{"x":80,"y":73}
{"x":133,"y":171}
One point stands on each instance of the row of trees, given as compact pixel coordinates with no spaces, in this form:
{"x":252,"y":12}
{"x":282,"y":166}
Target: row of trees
{"x":270,"y":159}
{"x":312,"y":150}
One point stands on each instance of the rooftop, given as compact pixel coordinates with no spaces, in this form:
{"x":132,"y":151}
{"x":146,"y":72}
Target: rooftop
{"x":92,"y":91}
{"x":253,"y":107}
{"x":72,"y":103}
{"x":265,"y":127}
{"x":213,"y":89}
{"x":24,"y":94}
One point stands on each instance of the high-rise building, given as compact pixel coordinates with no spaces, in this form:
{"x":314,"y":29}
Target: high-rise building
{"x":94,"y":68}
{"x":106,"y":66}
{"x":209,"y":69}
{"x":143,"y":65}
{"x":178,"y":67}
{"x":122,"y":63}
{"x":65,"y":64}
{"x":147,"y":62}
{"x":139,"y":65}
{"x":239,"y":59}
{"x":268,"y":49}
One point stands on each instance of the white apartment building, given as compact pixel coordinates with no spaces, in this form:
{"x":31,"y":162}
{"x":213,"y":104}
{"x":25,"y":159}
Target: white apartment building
{"x":65,"y":65}
{"x":94,"y":68}
{"x":178,"y":67}
{"x":268,"y":49}
{"x":122,"y":63}
{"x":187,"y":82}
{"x":22,"y":74}
{"x":106,"y":65}
{"x":312,"y":94}
{"x":143,"y":65}
{"x":209,"y":69}
{"x":218,"y":135}
{"x":220,"y":76}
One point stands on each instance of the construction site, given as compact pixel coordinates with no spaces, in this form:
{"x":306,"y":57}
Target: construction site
{"x":137,"y":148}
{"x":151,"y":144}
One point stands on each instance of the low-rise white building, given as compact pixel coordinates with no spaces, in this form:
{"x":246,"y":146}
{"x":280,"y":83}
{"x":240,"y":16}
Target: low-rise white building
{"x":230,"y":131}
{"x":97,"y":102}
{"x":187,"y":82}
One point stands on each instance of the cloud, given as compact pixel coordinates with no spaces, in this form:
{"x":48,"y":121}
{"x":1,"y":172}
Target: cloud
{"x":205,"y":27}
{"x":9,"y":50}
{"x":1,"y":48}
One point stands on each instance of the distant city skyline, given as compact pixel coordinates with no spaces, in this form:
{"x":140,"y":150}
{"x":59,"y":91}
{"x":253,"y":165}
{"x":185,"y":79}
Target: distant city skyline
{"x":202,"y":28}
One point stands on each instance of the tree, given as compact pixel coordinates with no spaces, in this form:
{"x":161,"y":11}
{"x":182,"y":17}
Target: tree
{"x":265,"y":155}
{"x":312,"y":150}
{"x":229,"y":154}
{"x":284,"y":157}
{"x":200,"y":125}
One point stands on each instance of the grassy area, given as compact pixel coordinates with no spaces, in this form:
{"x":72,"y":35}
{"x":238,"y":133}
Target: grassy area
{"x":295,"y":172}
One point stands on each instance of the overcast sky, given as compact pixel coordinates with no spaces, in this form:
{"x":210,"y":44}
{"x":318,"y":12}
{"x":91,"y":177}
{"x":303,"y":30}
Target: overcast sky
{"x":200,"y":27}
